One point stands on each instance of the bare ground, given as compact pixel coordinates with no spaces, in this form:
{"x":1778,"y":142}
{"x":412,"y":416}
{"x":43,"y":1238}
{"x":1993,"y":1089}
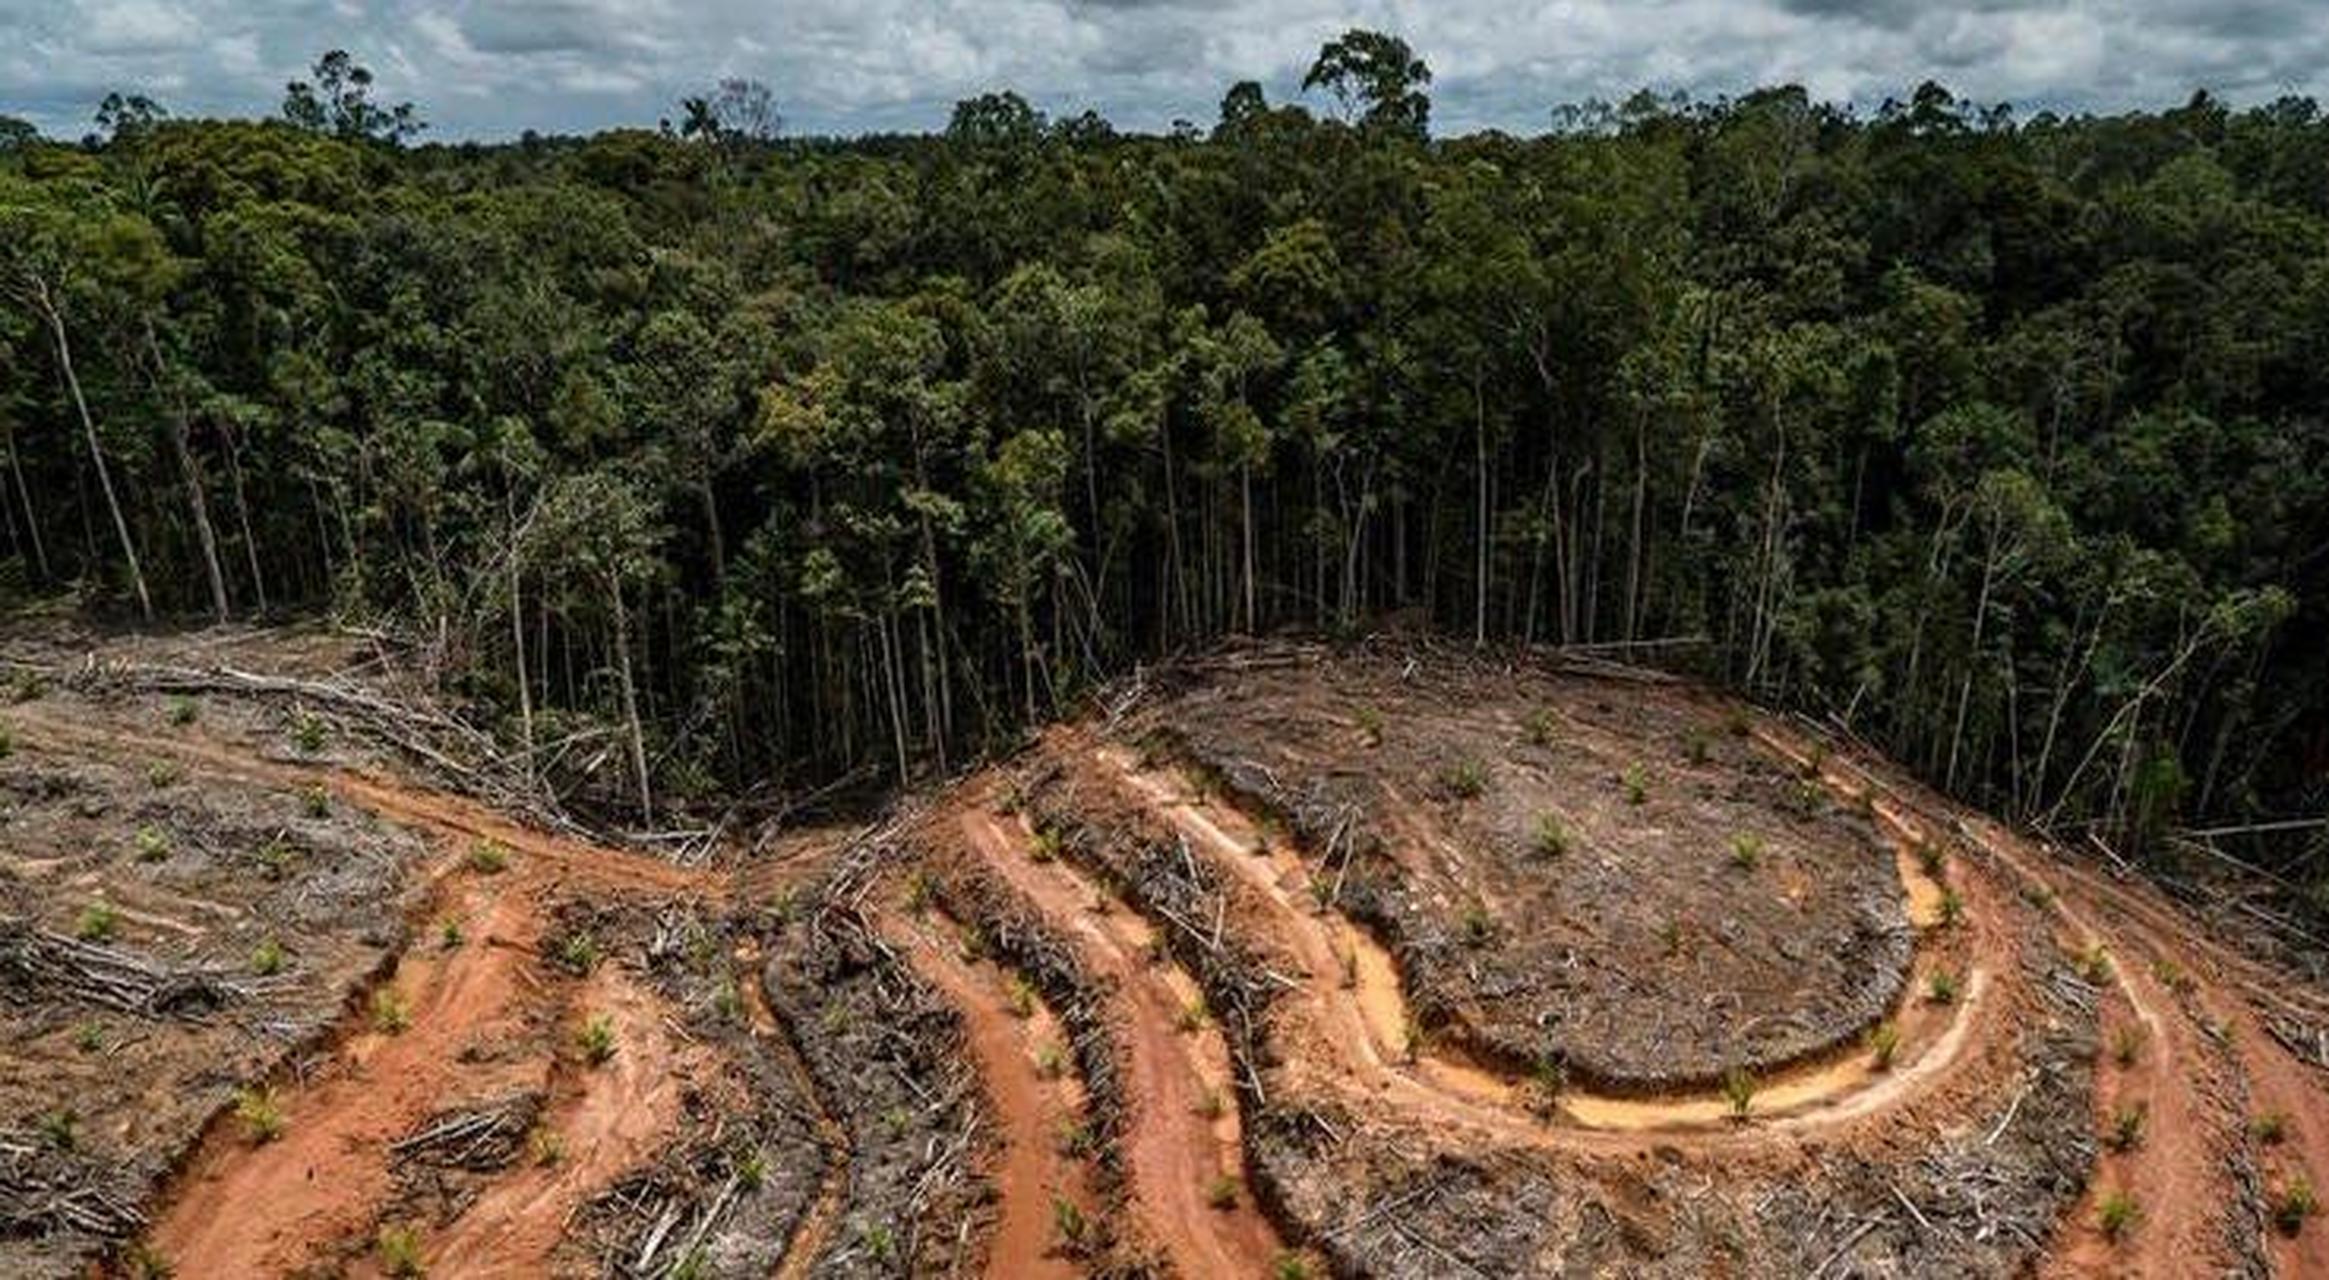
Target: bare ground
{"x":1270,"y":969}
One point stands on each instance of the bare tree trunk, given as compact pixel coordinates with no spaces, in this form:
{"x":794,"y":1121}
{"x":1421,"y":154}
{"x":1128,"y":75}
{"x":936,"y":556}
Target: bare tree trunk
{"x":631,"y":700}
{"x":182,"y":445}
{"x":1480,"y":550}
{"x":517,"y":637}
{"x":1245,"y":498}
{"x":40,"y":554}
{"x":712,"y":523}
{"x":1634,"y":552}
{"x":234,"y":475}
{"x":48,"y":309}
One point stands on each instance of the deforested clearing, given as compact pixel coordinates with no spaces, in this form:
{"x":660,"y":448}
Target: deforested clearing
{"x":1389,"y":959}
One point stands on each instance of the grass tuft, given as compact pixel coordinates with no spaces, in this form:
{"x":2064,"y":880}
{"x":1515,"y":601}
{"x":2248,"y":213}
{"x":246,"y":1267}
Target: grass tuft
{"x":98,"y":922}
{"x":1466,"y":779}
{"x":1883,"y":1043}
{"x":260,"y":1114}
{"x":596,"y":1039}
{"x":2127,"y":1125}
{"x":488,"y":857}
{"x":2293,"y":1202}
{"x":400,"y":1252}
{"x":390,"y":1014}
{"x":2271,"y":1128}
{"x":308,"y":733}
{"x":1941,"y":988}
{"x":2117,"y":1215}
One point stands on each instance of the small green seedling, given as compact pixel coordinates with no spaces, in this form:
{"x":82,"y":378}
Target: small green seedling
{"x":97,"y":922}
{"x":1883,"y":1043}
{"x":597,"y":1039}
{"x":260,"y":1114}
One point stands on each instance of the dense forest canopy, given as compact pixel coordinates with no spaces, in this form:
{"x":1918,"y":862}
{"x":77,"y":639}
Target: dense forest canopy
{"x":700,"y":459}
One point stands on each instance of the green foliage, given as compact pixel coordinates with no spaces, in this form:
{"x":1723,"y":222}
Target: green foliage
{"x":97,"y":922}
{"x":578,"y":953}
{"x":268,"y":958}
{"x":183,"y":710}
{"x":61,"y":1128}
{"x":391,"y":1014}
{"x":1550,"y":837}
{"x":2270,"y":1128}
{"x":1045,"y":846}
{"x":1941,"y":987}
{"x":1540,"y":726}
{"x":1738,"y":1090}
{"x":1465,"y":779}
{"x":488,"y":857}
{"x":1746,"y":850}
{"x":2127,"y":1125}
{"x":143,"y":1261}
{"x":400,"y":1251}
{"x":1477,"y":928}
{"x":596,"y":1039}
{"x":2117,"y":1214}
{"x":260,"y":1114}
{"x":860,"y":462}
{"x":2293,"y":1201}
{"x":153,"y":843}
{"x":1883,"y":1043}
{"x":309,"y":732}
{"x":1068,"y":1223}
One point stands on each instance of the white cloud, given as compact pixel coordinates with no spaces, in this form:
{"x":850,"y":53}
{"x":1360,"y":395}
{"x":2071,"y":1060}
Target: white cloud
{"x":137,"y":27}
{"x":492,"y":67}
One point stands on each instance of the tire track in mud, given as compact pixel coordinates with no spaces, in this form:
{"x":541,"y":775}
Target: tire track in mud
{"x":1363,"y":1019}
{"x":325,"y":1181}
{"x":2192,"y":1005}
{"x":1177,"y":1075}
{"x":1033,"y":1177}
{"x":609,"y":1122}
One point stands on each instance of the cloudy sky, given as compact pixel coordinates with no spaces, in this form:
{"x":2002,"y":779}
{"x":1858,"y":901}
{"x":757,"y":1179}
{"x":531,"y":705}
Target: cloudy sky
{"x":489,"y":68}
